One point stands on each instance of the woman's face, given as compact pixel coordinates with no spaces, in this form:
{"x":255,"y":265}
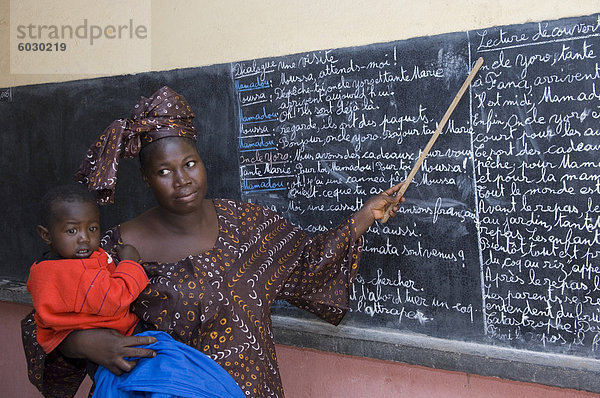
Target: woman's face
{"x":176,"y":175}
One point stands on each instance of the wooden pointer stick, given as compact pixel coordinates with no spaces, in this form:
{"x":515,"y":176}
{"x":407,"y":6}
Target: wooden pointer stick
{"x":437,"y":132}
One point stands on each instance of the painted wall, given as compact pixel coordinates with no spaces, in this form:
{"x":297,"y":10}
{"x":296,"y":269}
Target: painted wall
{"x":188,"y":33}
{"x":308,"y":374}
{"x":316,"y":374}
{"x":13,"y":366}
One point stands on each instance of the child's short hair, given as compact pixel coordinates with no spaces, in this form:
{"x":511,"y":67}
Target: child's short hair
{"x":63,"y":193}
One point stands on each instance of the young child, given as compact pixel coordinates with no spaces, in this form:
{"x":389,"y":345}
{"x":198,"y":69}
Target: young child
{"x":77,"y":285}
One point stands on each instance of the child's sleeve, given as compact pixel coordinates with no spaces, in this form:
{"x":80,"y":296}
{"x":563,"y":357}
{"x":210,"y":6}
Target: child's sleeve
{"x":82,"y":287}
{"x":53,"y":287}
{"x":105,"y":294}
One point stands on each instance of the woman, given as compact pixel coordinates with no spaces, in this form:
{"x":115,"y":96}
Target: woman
{"x":215,"y":266}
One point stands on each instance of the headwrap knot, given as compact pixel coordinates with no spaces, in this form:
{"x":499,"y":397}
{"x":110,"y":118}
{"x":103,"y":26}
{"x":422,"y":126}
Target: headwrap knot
{"x":164,"y":114}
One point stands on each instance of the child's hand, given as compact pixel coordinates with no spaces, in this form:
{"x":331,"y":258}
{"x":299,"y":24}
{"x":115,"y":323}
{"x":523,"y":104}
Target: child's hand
{"x":128,"y":252}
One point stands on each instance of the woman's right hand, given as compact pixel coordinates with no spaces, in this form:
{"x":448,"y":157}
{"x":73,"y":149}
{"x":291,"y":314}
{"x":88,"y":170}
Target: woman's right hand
{"x":107,"y":347}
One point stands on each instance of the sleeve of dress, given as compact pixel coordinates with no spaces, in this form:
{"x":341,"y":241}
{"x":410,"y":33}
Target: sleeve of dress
{"x":321,"y":278}
{"x":54,"y":375}
{"x":109,"y":243}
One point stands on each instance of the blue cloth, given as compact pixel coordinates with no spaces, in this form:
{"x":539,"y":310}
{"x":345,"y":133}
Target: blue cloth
{"x":177,"y":371}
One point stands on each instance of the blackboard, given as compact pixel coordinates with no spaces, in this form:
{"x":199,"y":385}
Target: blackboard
{"x":499,"y":238}
{"x":497,"y":246}
{"x":47,"y":128}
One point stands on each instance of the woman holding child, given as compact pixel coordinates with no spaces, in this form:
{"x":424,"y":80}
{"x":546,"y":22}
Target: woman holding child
{"x":215,"y":266}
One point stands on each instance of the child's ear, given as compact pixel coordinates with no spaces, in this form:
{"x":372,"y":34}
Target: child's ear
{"x":44,"y":234}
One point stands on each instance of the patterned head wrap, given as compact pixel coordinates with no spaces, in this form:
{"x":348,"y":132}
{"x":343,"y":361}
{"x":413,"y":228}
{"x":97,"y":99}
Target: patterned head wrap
{"x":164,"y":114}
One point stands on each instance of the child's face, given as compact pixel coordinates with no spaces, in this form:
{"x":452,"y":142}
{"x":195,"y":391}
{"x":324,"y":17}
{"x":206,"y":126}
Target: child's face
{"x":75,"y":231}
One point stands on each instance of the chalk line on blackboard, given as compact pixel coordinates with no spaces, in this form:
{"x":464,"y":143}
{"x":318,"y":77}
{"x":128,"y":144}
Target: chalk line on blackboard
{"x":538,"y":43}
{"x":475,"y":192}
{"x":454,"y":66}
{"x":6,"y":94}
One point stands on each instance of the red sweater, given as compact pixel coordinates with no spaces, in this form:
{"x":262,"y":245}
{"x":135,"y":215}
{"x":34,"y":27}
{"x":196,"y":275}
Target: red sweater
{"x":72,"y":294}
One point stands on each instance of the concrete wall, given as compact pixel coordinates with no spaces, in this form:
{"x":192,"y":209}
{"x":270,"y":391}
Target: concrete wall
{"x":187,"y":33}
{"x":13,"y":367}
{"x":308,"y":374}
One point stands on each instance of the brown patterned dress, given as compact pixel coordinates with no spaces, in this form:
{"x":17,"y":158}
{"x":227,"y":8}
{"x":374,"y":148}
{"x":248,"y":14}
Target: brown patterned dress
{"x":219,"y":301}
